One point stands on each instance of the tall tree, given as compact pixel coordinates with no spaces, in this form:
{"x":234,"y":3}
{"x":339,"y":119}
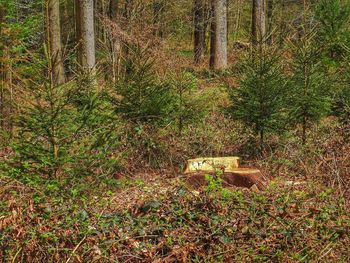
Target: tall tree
{"x":199,"y":30}
{"x":258,"y":21}
{"x":218,"y":43}
{"x":270,"y":5}
{"x":54,"y":42}
{"x":85,"y":34}
{"x":115,"y":42}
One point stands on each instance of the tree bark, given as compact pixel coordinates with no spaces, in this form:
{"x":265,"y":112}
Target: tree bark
{"x":54,"y":42}
{"x":115,"y":45}
{"x":270,"y":4}
{"x":199,"y":31}
{"x":218,"y":50}
{"x":86,"y":34}
{"x":258,"y":21}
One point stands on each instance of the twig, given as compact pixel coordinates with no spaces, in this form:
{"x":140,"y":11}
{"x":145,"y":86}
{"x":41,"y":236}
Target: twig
{"x":14,"y":258}
{"x":75,"y":249}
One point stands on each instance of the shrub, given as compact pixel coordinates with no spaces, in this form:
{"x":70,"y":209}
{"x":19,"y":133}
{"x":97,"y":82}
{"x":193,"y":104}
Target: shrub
{"x":333,"y":34}
{"x":259,"y":101}
{"x":190,"y":105}
{"x":139,"y":97}
{"x":310,"y":99}
{"x":59,"y":132}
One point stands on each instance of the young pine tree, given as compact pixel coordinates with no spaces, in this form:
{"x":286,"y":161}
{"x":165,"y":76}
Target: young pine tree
{"x":140,"y":97}
{"x":333,"y":30}
{"x":259,"y":101}
{"x":310,"y":101}
{"x":64,"y":129}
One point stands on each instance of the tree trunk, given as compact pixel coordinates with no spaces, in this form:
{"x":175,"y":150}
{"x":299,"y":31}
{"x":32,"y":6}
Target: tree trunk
{"x":258,"y":21}
{"x":270,"y":4}
{"x":115,"y":43}
{"x":238,"y":15}
{"x":218,"y":50}
{"x":199,"y":31}
{"x":54,"y":42}
{"x":85,"y":34}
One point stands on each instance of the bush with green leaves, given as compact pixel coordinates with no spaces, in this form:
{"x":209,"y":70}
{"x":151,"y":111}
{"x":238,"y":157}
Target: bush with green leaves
{"x":310,"y":100}
{"x":333,"y":30}
{"x":190,"y":104}
{"x":260,"y":100}
{"x":66,"y":129}
{"x":140,"y":97}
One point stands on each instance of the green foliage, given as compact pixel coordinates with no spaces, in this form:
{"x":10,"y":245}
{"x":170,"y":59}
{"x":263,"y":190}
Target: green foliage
{"x":259,"y":101}
{"x":189,"y":106}
{"x":140,"y":97}
{"x":310,"y":99}
{"x":333,"y":34}
{"x":214,"y":182}
{"x":57,"y":131}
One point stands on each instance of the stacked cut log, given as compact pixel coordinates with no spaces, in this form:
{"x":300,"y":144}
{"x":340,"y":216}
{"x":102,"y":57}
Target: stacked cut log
{"x":229,"y":170}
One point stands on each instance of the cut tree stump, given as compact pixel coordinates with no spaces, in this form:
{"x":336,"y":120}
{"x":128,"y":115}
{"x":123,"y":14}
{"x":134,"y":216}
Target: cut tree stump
{"x":240,"y":177}
{"x":232,"y":175}
{"x":209,"y":164}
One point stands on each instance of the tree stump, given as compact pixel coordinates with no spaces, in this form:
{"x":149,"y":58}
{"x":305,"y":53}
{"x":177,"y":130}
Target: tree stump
{"x":239,"y":177}
{"x":232,"y":174}
{"x":210,"y":164}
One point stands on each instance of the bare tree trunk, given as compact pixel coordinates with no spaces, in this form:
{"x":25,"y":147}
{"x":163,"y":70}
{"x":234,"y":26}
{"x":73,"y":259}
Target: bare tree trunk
{"x":270,"y":4}
{"x":199,"y":31}
{"x":258,"y":21}
{"x":54,"y":42}
{"x":115,"y":43}
{"x":238,"y":15}
{"x":86,"y":35}
{"x":218,"y":51}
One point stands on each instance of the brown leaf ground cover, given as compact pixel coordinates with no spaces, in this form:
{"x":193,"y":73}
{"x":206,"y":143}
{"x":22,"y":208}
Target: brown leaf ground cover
{"x":158,"y":218}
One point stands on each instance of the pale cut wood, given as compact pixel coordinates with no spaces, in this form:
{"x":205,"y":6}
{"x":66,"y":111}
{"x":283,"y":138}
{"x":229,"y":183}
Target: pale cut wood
{"x":210,"y":164}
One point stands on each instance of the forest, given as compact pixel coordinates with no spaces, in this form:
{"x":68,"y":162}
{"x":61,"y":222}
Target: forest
{"x":174,"y":131}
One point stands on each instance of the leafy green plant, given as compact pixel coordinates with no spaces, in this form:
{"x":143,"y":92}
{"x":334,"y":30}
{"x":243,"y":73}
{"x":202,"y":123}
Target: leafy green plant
{"x":310,"y":99}
{"x":333,"y":35}
{"x":260,"y":100}
{"x":214,"y":182}
{"x":59,"y":131}
{"x":189,"y":106}
{"x":139,"y":97}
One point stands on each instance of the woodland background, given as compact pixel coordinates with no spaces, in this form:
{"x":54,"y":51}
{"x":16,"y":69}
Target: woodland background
{"x":102,"y":102}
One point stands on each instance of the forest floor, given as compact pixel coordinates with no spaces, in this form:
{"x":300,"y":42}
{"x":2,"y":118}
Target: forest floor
{"x":156,"y":217}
